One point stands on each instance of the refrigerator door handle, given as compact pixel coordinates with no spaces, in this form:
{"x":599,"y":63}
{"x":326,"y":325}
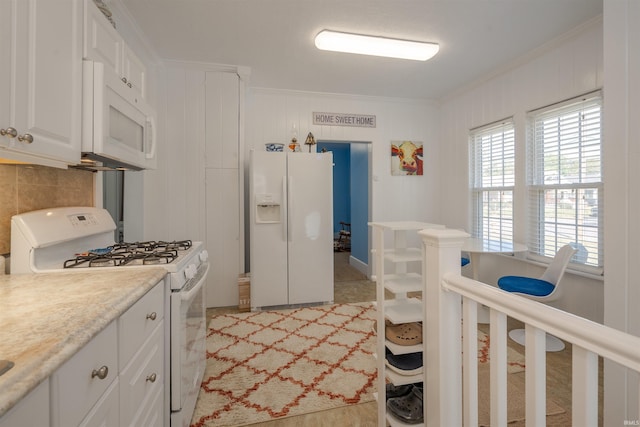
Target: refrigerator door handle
{"x":285,"y":221}
{"x":290,"y":207}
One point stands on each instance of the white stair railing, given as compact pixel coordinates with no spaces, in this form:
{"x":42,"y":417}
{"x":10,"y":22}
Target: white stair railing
{"x":451,"y":392}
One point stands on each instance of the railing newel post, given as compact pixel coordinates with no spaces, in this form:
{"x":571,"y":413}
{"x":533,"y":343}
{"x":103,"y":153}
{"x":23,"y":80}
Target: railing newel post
{"x":443,"y":389}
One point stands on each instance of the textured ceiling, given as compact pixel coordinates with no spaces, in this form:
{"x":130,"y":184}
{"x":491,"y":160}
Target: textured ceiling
{"x":274,"y":38}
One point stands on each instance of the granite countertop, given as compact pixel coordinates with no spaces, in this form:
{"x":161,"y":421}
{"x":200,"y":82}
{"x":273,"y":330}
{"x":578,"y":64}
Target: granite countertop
{"x":46,"y":318}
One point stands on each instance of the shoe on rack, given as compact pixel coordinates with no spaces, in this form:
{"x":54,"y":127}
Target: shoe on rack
{"x":405,"y":333}
{"x":399,"y":390}
{"x":404,"y":364}
{"x":409,"y":408}
{"x":402,"y":333}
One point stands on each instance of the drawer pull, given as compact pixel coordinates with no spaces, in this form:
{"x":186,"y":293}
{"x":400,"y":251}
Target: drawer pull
{"x":152,"y":378}
{"x":152,"y":316}
{"x":10,"y":132}
{"x":100,"y":373}
{"x":26,"y":138}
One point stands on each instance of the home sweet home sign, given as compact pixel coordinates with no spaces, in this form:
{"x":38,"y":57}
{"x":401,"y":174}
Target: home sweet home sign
{"x":344,"y":119}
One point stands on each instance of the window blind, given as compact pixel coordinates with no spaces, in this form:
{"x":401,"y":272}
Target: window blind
{"x":565,"y":180}
{"x":492,"y":176}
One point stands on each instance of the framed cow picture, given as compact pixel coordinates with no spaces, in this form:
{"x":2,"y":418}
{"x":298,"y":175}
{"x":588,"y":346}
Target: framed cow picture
{"x":406,"y":158}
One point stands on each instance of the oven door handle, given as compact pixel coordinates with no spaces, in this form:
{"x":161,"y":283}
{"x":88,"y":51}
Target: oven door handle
{"x":189,"y":294}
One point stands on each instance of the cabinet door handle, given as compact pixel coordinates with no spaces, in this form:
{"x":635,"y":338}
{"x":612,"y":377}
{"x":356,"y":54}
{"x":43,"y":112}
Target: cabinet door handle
{"x":124,"y":80}
{"x":152,"y":316}
{"x":151,"y":378}
{"x":129,"y":84}
{"x":100,"y":373}
{"x":10,"y":132}
{"x":26,"y":138}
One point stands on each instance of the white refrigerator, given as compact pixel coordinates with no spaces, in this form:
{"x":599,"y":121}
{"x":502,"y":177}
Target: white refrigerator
{"x":291,"y":228}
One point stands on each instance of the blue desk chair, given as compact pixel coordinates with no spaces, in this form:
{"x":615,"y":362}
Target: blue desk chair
{"x":544,"y":289}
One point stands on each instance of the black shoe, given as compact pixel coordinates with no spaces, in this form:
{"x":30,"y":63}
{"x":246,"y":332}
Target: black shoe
{"x":408,"y":408}
{"x":397,"y":390}
{"x":405,"y":364}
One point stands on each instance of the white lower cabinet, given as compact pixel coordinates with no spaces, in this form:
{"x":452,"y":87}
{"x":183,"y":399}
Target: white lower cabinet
{"x":118,"y":378}
{"x":31,"y":411}
{"x":78,"y":384}
{"x":106,"y":410}
{"x":154,"y":414}
{"x":141,"y":380}
{"x":137,"y":324}
{"x":141,"y":345}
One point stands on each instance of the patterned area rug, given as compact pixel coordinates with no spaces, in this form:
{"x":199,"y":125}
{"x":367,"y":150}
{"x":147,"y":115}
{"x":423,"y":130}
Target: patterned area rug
{"x":515,"y":360}
{"x":274,"y":364}
{"x":516,"y":409}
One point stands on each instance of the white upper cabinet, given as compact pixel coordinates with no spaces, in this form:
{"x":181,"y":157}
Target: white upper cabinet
{"x":134,"y":72}
{"x":41,"y":81}
{"x":102,"y":43}
{"x":7,"y":9}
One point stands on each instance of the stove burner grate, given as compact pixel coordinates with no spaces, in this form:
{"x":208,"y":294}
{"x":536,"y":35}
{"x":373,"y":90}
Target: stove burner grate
{"x":153,"y":245}
{"x":155,"y":257}
{"x":120,"y":254}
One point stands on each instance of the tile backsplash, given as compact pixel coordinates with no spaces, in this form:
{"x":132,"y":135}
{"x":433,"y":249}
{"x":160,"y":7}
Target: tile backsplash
{"x":25,"y":188}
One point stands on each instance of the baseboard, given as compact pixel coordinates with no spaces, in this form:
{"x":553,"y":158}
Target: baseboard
{"x":359,"y":265}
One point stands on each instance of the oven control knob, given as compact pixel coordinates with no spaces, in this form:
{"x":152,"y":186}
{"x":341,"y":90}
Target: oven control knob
{"x":190,"y":271}
{"x":204,"y":256}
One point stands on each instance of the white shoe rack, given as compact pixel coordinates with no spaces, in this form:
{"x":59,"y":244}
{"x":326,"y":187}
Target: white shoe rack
{"x":397,"y":257}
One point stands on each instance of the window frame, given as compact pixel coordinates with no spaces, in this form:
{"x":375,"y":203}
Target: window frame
{"x":502,"y":133}
{"x":578,"y":140}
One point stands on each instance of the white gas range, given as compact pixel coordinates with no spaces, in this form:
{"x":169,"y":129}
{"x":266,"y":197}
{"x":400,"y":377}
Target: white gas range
{"x":77,"y":238}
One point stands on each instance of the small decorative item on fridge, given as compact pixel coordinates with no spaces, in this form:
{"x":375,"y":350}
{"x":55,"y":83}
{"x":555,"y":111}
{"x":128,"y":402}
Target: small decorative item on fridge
{"x":310,"y":141}
{"x":294,"y":146}
{"x":272,"y":146}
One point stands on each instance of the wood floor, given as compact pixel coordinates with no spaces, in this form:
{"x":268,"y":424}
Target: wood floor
{"x":352,"y":286}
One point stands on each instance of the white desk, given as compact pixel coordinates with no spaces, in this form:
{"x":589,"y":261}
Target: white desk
{"x":476,"y":247}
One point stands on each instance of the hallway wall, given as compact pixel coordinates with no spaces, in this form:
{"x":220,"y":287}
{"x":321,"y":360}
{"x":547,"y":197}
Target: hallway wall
{"x":341,"y":181}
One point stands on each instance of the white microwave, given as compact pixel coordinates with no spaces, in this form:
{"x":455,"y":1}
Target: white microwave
{"x":118,"y":126}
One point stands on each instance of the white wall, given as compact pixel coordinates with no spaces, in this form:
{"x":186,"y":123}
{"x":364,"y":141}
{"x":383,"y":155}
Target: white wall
{"x":270,"y":115}
{"x":568,"y":67}
{"x":174,"y":207}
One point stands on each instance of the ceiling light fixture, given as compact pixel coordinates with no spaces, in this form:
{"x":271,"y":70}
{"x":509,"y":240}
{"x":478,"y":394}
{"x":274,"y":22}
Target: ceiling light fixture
{"x":377,"y":46}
